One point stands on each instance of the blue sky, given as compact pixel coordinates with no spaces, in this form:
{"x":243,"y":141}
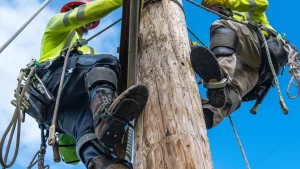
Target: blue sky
{"x":270,"y":139}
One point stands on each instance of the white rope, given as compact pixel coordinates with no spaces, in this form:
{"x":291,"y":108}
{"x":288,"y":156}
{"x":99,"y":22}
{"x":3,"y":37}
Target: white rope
{"x":293,"y":63}
{"x":239,"y":142}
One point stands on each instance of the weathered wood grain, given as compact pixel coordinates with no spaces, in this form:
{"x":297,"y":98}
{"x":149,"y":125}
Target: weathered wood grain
{"x":171,"y":133}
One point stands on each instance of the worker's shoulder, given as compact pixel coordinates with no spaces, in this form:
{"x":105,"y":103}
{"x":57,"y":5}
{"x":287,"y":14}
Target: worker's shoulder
{"x":55,"y":18}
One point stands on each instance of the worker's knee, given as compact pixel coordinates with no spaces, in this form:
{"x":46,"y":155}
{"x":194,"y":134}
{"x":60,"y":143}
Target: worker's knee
{"x":224,"y":41}
{"x":109,"y":61}
{"x":101,"y":69}
{"x":100,"y":75}
{"x":103,"y":60}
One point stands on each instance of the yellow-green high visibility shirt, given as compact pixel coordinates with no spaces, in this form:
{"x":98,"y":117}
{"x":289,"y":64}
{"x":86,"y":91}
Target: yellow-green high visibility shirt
{"x":252,"y":10}
{"x":60,"y":31}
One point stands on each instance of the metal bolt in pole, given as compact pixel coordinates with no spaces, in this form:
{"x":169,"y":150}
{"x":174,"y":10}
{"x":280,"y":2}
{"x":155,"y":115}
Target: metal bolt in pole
{"x":25,"y":24}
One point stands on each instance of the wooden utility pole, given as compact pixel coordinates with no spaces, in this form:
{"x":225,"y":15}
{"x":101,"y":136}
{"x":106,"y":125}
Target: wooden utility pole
{"x":171,"y":133}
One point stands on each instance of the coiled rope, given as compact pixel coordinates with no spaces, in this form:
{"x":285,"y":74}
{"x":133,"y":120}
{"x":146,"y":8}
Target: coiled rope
{"x":15,"y":121}
{"x":293,"y":63}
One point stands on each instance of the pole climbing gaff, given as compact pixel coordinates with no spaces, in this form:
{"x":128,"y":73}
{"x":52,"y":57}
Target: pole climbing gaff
{"x":24,"y":25}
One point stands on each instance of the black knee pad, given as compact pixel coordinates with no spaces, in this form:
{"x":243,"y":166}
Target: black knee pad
{"x":223,"y":41}
{"x":101,"y":75}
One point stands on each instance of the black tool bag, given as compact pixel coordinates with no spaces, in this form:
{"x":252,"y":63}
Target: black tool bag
{"x":279,"y":59}
{"x":278,"y":55}
{"x":37,"y":99}
{"x":38,"y":107}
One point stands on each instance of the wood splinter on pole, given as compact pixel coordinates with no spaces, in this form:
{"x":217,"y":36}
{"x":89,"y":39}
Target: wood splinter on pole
{"x":171,"y":132}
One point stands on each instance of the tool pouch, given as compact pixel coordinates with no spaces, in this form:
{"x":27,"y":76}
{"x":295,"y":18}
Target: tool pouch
{"x":279,"y":59}
{"x":278,"y":56}
{"x":38,"y":106}
{"x":36,"y":101}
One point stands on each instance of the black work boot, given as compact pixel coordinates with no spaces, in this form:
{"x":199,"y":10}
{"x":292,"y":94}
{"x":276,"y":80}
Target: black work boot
{"x":214,"y":116}
{"x":101,"y":162}
{"x":111,"y":116}
{"x":208,"y":114}
{"x":207,"y":67}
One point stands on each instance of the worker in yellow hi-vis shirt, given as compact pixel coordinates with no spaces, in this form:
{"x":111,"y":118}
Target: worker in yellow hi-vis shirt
{"x":90,"y":111}
{"x":235,"y":67}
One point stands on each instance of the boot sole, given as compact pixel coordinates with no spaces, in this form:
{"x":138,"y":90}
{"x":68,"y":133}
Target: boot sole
{"x":207,"y":67}
{"x":124,"y":108}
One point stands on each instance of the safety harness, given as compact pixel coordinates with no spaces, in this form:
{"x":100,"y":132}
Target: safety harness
{"x":34,"y":99}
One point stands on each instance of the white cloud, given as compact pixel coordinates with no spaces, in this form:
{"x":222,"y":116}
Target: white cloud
{"x":15,"y":57}
{"x":25,"y":47}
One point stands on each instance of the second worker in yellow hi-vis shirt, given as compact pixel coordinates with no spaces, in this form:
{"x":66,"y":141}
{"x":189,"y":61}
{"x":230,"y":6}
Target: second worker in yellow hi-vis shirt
{"x":235,"y":68}
{"x":91,"y":113}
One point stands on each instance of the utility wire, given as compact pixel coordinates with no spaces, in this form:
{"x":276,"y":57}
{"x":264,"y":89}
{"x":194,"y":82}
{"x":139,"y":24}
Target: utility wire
{"x":197,"y":37}
{"x":24,"y":26}
{"x":266,"y":157}
{"x":274,"y":150}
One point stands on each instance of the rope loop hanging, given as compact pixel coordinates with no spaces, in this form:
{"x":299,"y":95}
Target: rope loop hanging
{"x":293,"y":63}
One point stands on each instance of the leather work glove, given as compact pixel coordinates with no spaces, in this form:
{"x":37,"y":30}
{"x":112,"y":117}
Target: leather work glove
{"x":214,"y":3}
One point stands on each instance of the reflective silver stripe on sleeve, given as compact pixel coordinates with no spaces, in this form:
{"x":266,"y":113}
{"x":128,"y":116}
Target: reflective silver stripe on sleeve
{"x":92,"y":51}
{"x":248,"y":16}
{"x":66,"y":18}
{"x":252,"y":5}
{"x":80,"y":13}
{"x":69,"y":40}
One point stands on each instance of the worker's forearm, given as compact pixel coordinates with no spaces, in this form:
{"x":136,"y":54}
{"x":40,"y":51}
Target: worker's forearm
{"x":82,"y":15}
{"x":254,"y":6}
